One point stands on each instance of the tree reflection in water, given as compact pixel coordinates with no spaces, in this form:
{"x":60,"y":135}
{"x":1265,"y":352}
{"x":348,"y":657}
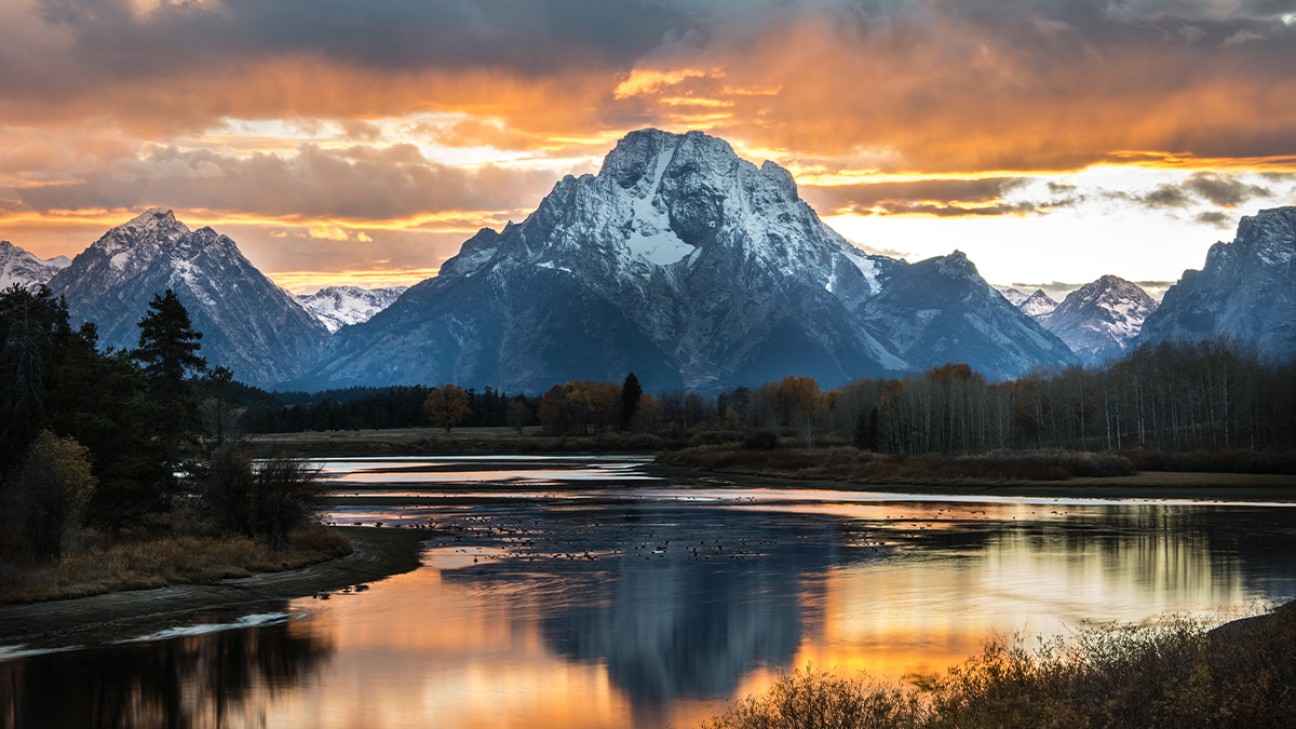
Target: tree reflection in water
{"x":201,"y":681}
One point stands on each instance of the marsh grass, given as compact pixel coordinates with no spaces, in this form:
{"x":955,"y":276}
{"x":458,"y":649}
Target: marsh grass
{"x":157,"y":562}
{"x":1170,"y":675}
{"x":850,"y":464}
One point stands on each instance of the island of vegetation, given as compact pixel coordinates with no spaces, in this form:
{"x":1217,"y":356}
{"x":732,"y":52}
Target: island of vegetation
{"x":119,"y":469}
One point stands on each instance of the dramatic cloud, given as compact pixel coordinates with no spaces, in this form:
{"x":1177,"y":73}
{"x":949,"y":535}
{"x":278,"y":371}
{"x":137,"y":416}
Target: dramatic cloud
{"x":356,"y":183}
{"x":336,"y":119}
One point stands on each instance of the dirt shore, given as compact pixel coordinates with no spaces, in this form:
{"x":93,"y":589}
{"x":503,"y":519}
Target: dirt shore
{"x":378,"y":553}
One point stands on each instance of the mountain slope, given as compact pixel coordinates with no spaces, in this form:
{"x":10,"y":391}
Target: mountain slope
{"x":248,"y":323}
{"x":339,"y":306}
{"x":1246,"y":290}
{"x":1100,"y":320}
{"x":21,"y":267}
{"x":693,"y":268}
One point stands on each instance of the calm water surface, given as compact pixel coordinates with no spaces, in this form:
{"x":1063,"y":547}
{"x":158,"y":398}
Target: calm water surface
{"x":585,"y":593}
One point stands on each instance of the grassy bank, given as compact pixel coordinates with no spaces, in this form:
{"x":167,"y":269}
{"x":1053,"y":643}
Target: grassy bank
{"x":160,"y":562}
{"x":856,"y":466}
{"x":1172,"y":675}
{"x":377,"y":553}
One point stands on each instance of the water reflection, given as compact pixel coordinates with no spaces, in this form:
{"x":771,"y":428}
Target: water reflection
{"x":631,"y":607}
{"x":221,"y":679}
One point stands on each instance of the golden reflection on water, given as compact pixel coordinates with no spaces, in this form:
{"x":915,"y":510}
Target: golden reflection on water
{"x":421,"y":650}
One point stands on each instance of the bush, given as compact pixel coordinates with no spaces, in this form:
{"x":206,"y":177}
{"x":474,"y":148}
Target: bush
{"x":809,"y":700}
{"x":761,"y":440}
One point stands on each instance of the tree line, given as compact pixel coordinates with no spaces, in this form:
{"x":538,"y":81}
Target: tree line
{"x":1176,"y":396}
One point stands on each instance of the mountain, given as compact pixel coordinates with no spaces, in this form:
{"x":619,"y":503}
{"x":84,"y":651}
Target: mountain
{"x":1246,"y":290}
{"x":1015,"y":296}
{"x":1037,"y":304}
{"x":18,"y":266}
{"x":248,"y":323}
{"x":339,"y":306}
{"x":692,"y":268}
{"x":1100,"y":320}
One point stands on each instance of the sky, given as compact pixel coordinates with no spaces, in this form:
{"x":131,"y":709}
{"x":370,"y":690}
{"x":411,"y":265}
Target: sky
{"x":362,"y":142}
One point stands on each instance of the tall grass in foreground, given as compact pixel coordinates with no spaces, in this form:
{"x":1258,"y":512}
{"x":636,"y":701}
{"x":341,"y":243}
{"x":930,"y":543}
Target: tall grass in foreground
{"x":1171,"y":675}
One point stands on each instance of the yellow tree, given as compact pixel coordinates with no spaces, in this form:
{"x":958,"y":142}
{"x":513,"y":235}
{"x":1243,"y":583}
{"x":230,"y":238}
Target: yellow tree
{"x":446,"y":406}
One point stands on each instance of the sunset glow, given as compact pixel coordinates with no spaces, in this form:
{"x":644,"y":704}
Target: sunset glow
{"x":1049,"y":141}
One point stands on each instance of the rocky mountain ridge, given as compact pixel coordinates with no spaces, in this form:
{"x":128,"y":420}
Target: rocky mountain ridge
{"x":248,"y":323}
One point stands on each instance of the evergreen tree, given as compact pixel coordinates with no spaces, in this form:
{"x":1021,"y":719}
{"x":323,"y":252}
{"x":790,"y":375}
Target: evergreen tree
{"x":630,"y":394}
{"x":866,"y":430}
{"x":168,"y":354}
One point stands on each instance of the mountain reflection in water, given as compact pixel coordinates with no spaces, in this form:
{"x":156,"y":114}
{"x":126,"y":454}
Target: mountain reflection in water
{"x":651,"y":609}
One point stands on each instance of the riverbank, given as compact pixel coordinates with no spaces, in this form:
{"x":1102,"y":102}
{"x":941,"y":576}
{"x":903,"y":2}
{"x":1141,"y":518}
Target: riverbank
{"x":376,"y":553}
{"x":436,"y":441}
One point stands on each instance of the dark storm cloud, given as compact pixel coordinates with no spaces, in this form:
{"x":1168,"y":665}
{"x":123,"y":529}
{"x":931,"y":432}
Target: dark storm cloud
{"x":1224,"y":190}
{"x":1215,"y":218}
{"x":1219,"y":189}
{"x":1165,"y":196}
{"x":524,"y":35}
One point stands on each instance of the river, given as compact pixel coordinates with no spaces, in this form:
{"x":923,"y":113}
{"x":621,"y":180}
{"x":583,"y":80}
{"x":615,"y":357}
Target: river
{"x":586,"y":592}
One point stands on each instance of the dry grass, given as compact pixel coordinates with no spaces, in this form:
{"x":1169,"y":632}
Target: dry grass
{"x":460,"y":441}
{"x":159,"y":562}
{"x":1172,"y":675}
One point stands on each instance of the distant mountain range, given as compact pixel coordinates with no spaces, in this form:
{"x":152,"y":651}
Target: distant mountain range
{"x":679,"y":261}
{"x":339,"y":306}
{"x":1098,"y":321}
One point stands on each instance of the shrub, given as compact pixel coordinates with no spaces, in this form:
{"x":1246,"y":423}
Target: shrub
{"x":761,"y":440}
{"x":806,"y":699}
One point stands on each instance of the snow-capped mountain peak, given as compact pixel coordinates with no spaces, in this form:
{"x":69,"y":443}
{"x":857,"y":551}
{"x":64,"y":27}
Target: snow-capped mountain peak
{"x":694,"y":268}
{"x":248,"y":323}
{"x":339,"y":306}
{"x":155,"y":219}
{"x":1100,"y":320}
{"x":18,"y":266}
{"x":1037,"y":304}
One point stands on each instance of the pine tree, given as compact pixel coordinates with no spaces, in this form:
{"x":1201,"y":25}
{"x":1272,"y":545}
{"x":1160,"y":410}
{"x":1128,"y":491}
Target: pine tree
{"x":168,"y":355}
{"x":630,"y":394}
